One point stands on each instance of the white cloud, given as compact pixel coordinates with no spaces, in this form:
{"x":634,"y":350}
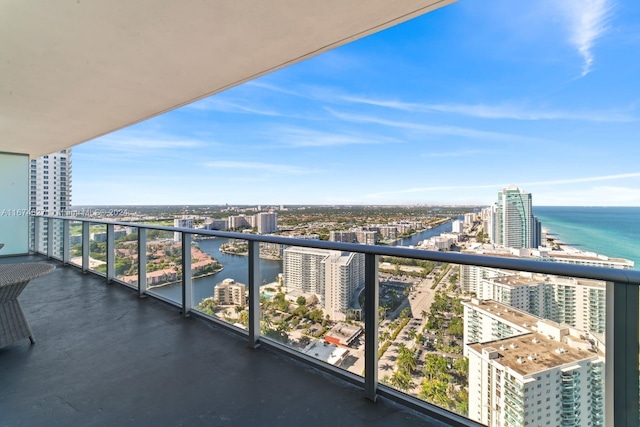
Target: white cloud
{"x":303,"y":137}
{"x":216,"y":104}
{"x":503,"y":111}
{"x":131,"y":143}
{"x":459,"y":153}
{"x":436,"y":130}
{"x":258,"y":166}
{"x":524,"y":185}
{"x":588,"y":20}
{"x":595,"y":196}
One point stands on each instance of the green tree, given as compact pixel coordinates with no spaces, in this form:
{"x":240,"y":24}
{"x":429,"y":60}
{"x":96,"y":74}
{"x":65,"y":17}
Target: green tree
{"x":435,"y":391}
{"x":301,"y":300}
{"x":208,"y":306}
{"x":401,"y":380}
{"x":456,"y":327}
{"x":407,"y":359}
{"x":315,"y":315}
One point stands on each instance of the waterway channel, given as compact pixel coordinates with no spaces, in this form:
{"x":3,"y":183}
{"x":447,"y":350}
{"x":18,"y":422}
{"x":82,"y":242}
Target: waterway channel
{"x":236,"y":268}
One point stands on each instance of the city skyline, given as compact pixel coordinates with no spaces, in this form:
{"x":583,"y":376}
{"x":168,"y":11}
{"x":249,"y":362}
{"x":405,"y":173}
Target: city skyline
{"x":445,"y":109}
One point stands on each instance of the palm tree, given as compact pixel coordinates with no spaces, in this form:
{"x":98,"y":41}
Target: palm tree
{"x":435,"y":391}
{"x":407,"y":359}
{"x":401,"y":380}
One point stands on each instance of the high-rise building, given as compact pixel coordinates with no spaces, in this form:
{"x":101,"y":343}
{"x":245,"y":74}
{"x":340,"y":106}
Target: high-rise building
{"x":334,"y":276}
{"x":579,"y":303}
{"x":240,"y":221}
{"x":516,"y":225}
{"x":183,"y":222}
{"x":528,"y":371}
{"x":266,"y":222}
{"x":50,"y":189}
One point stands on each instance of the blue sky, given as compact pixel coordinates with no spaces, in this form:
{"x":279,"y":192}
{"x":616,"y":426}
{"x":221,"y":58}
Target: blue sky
{"x":444,"y":109}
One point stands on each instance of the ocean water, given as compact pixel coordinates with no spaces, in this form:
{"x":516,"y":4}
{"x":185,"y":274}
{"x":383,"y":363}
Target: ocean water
{"x":611,"y":231}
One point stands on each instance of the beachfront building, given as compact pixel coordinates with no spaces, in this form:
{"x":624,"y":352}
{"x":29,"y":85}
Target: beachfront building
{"x":230,"y":292}
{"x":531,"y":371}
{"x":516,"y":226}
{"x":579,"y":303}
{"x":184,"y":222}
{"x":333,"y":276}
{"x":266,"y":222}
{"x":50,"y":190}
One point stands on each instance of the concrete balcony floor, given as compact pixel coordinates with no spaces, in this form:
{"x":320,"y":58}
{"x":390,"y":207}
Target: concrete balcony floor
{"x":105,"y":357}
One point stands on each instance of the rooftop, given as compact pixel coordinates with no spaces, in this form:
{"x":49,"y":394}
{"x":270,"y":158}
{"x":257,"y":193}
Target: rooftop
{"x":531,"y":353}
{"x":105,"y":357}
{"x":506,"y":313}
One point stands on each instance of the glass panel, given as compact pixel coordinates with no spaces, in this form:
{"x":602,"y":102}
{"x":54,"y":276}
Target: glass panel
{"x":75,"y":242}
{"x":421,"y":332}
{"x":220,"y":278}
{"x":126,"y":254}
{"x":32,"y":237}
{"x":313,"y":306}
{"x":58,"y":237}
{"x":535,"y":346}
{"x":98,"y":248}
{"x":164,"y":265}
{"x":42,"y":238}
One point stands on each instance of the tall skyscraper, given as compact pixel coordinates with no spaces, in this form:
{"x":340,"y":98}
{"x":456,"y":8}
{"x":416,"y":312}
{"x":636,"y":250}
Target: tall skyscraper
{"x":516,"y":225}
{"x":50,"y":189}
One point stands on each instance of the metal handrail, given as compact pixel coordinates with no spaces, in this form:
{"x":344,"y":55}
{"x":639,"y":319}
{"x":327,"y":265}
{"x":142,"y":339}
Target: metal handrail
{"x":544,"y":267}
{"x":622,"y":305}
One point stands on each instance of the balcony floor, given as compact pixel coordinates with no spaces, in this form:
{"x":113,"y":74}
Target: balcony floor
{"x":105,"y":357}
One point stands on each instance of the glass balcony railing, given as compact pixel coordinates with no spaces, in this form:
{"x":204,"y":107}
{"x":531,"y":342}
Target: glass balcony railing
{"x":388,"y":319}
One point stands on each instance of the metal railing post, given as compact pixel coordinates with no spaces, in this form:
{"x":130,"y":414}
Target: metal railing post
{"x":85,"y":246}
{"x":49,"y":237}
{"x":622,"y":347}
{"x":254,"y":293}
{"x":142,"y":262}
{"x":371,"y":297}
{"x":111,"y":264}
{"x":66,"y":240}
{"x":37,"y":228}
{"x":187,"y":283}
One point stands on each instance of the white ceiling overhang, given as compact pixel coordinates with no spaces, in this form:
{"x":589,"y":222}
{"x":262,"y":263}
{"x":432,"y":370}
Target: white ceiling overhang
{"x":72,"y":70}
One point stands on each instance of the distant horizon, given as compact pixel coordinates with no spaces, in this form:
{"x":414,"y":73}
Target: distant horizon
{"x":444,"y":109}
{"x":340,"y":204}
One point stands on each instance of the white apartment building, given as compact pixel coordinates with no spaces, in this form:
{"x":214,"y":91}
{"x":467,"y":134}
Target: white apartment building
{"x":579,"y":303}
{"x":471,"y":276}
{"x":334,"y":276}
{"x":230,"y":292}
{"x":266,"y":222}
{"x":550,"y":374}
{"x":50,"y":190}
{"x":216,"y":224}
{"x":486,"y":320}
{"x":184,"y":222}
{"x":342,"y":236}
{"x":241,"y":221}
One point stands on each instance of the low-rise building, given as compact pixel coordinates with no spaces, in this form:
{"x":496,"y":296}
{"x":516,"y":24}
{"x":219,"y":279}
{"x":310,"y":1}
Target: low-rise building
{"x":230,"y":292}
